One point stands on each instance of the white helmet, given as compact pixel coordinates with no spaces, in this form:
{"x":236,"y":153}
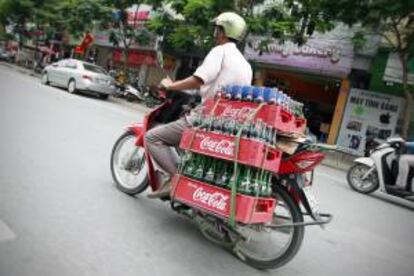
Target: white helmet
{"x":233,"y":25}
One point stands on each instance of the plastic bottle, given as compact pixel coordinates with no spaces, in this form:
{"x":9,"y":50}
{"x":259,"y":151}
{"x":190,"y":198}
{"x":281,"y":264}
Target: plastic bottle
{"x":267,"y":94}
{"x":247,"y":93}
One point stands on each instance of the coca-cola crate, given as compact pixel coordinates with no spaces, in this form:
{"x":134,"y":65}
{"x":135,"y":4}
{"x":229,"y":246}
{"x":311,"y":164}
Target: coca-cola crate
{"x":251,"y":152}
{"x":299,"y":125}
{"x":273,"y":115}
{"x":216,"y":200}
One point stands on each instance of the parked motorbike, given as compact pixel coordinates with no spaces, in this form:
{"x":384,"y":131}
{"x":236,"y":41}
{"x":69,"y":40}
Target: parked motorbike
{"x":379,"y":171}
{"x":263,"y":246}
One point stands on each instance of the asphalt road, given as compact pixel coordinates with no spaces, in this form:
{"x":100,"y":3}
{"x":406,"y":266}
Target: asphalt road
{"x":60,"y":213}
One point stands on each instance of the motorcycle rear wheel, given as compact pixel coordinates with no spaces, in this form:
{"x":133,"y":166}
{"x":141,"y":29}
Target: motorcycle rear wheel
{"x":356,"y":183}
{"x":290,"y":249}
{"x":129,"y":172}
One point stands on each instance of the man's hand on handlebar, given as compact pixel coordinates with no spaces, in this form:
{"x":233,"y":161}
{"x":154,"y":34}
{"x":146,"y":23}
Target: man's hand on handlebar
{"x":166,"y":83}
{"x":191,"y":82}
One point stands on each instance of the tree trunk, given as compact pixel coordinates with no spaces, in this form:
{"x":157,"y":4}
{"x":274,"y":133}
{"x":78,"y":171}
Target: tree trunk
{"x":125,"y":52}
{"x":408,"y":96}
{"x":125,"y":48}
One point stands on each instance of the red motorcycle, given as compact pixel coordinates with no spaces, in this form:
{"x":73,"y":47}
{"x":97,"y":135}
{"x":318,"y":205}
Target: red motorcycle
{"x":261,"y":245}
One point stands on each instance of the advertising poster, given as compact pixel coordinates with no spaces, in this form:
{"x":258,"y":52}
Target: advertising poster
{"x":368,"y":115}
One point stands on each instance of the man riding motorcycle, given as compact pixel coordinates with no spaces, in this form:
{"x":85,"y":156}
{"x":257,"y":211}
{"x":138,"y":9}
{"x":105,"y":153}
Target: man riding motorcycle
{"x":224,"y":65}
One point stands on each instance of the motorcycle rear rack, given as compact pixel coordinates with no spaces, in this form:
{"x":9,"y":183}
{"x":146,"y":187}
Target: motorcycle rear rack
{"x":322,"y":220}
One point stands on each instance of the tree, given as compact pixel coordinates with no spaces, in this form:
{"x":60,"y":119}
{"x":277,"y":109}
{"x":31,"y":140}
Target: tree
{"x":16,"y":13}
{"x":187,"y":23}
{"x":79,"y":16}
{"x":123,"y":34}
{"x":30,"y":19}
{"x":394,"y":21}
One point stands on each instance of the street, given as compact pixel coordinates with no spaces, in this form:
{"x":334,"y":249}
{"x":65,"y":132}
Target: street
{"x":60,"y":213}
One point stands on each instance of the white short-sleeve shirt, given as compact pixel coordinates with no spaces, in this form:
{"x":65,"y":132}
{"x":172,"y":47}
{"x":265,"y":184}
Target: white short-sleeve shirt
{"x":224,"y":65}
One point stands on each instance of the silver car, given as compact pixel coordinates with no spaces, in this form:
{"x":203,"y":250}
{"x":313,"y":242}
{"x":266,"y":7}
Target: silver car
{"x":76,"y":75}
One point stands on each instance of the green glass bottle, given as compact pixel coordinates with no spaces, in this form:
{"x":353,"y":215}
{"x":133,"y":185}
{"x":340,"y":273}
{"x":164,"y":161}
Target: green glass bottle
{"x":209,"y":177}
{"x":256,"y":183}
{"x":269,"y":185}
{"x":188,"y":163}
{"x":224,"y":177}
{"x":246,"y":180}
{"x":199,"y":172}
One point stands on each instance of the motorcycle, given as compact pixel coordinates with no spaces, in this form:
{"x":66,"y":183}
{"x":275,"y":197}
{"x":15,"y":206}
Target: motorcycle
{"x":263,"y":246}
{"x":379,"y":171}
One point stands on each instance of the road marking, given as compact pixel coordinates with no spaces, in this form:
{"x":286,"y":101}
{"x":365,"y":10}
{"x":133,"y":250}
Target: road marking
{"x":6,"y":233}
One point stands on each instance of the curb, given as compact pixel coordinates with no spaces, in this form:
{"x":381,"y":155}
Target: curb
{"x":20,"y":69}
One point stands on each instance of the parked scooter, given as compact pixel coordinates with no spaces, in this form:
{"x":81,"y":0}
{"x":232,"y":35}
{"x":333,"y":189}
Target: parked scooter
{"x":379,"y":171}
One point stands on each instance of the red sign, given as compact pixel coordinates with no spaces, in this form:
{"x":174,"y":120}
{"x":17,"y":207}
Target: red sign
{"x":86,"y":42}
{"x":135,"y":57}
{"x":79,"y":50}
{"x":135,"y":17}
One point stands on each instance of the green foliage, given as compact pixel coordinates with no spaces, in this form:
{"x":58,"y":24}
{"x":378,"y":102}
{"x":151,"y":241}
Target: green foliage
{"x":79,"y":16}
{"x":394,"y":20}
{"x":285,"y":20}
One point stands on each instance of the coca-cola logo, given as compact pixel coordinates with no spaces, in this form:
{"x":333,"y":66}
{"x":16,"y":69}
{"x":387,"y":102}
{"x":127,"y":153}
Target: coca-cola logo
{"x":217,"y":146}
{"x":215,"y":200}
{"x":237,"y":113}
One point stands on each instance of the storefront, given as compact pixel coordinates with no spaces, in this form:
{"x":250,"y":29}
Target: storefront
{"x":315,"y":73}
{"x":141,"y":62}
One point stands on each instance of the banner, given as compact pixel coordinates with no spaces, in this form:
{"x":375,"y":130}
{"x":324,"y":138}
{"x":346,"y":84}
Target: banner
{"x":393,"y":70}
{"x":329,"y":54}
{"x":368,"y":115}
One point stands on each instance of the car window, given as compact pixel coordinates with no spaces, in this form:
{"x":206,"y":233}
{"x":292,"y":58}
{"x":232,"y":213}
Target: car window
{"x":94,"y":68}
{"x":62,"y":63}
{"x":71,"y":65}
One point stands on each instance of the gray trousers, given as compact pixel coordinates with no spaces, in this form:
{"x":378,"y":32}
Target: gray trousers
{"x":159,"y":141}
{"x":406,"y":161}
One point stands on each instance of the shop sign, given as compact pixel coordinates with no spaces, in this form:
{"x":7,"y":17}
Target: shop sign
{"x":102,"y":39}
{"x":328,"y":54}
{"x":393,"y":70}
{"x":368,"y":115}
{"x":137,"y":15}
{"x":136,"y":58}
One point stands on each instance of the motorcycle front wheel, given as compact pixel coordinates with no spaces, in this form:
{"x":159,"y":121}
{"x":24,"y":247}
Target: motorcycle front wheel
{"x":268,"y":248}
{"x":364,"y":186}
{"x":128,"y":165}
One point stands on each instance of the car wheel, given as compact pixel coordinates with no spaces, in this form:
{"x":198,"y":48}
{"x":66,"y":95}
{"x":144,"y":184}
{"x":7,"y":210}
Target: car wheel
{"x":72,"y":87}
{"x":45,"y":78}
{"x":103,"y":96}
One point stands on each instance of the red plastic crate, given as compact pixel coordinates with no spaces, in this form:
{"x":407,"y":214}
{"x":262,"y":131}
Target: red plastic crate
{"x":251,"y":152}
{"x":299,"y":125}
{"x":216,"y":200}
{"x":272,"y":115}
